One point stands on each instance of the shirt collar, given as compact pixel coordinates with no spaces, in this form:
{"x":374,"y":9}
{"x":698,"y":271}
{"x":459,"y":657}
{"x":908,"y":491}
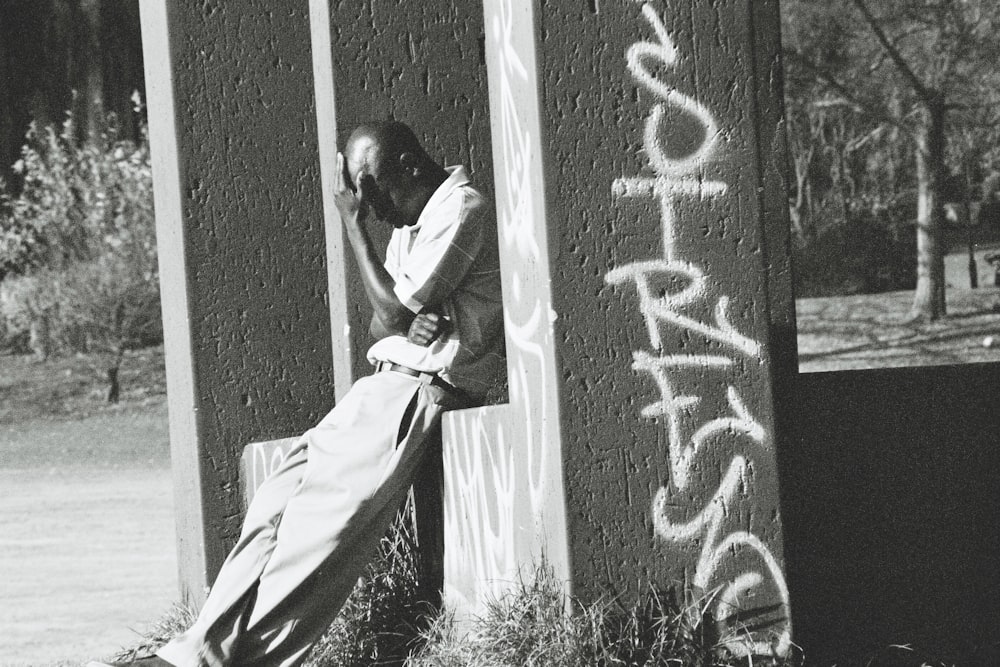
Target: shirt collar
{"x":457,"y":177}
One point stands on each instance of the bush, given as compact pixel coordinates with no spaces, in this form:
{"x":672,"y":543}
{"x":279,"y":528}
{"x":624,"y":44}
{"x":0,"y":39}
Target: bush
{"x":381,"y":621}
{"x":32,"y":312}
{"x":78,"y":246}
{"x":872,"y":251}
{"x":530,"y":627}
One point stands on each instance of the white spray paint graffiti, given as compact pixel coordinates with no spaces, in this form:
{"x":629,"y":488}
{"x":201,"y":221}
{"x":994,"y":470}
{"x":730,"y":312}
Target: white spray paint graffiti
{"x":480,"y":476}
{"x":674,"y":179}
{"x":264,"y":459}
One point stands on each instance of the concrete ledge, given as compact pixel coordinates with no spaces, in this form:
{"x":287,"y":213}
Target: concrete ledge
{"x":258,"y":462}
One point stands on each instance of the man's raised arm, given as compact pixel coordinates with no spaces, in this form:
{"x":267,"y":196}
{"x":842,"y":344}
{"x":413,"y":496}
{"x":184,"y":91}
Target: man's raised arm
{"x":391,"y":316}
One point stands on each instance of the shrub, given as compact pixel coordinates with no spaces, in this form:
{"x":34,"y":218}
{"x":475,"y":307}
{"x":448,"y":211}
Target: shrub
{"x":873,"y":250}
{"x":31,"y":310}
{"x":78,"y":246}
{"x":529,"y":627}
{"x":381,"y":622}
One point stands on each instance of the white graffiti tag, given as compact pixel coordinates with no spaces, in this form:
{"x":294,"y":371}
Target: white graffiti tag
{"x":730,"y":566}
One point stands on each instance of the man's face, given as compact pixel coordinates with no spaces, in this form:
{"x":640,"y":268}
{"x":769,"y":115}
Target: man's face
{"x":369,"y":173}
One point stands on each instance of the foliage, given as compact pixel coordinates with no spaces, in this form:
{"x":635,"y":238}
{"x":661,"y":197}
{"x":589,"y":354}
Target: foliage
{"x":61,"y":54}
{"x":529,"y":627}
{"x":885,"y":101}
{"x":29,"y":305}
{"x":177,"y":619}
{"x":385,"y":622}
{"x":78,"y":245}
{"x":381,"y":621}
{"x":869,"y":252}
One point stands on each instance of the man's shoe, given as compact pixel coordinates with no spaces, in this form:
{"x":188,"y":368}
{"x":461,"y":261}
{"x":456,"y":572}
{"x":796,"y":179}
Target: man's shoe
{"x":149,"y":661}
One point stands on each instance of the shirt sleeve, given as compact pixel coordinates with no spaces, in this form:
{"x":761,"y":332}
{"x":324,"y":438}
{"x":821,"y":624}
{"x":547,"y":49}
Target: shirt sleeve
{"x":439,"y":261}
{"x":391,"y":255}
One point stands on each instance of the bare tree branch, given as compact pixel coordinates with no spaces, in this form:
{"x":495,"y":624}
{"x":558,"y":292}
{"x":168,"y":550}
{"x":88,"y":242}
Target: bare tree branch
{"x":858,"y":104}
{"x":921,"y":89}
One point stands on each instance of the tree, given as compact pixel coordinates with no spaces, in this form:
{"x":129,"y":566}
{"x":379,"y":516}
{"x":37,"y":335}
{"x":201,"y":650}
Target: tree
{"x":81,"y":55}
{"x":88,"y":74}
{"x":907,"y":68}
{"x":81,"y":238}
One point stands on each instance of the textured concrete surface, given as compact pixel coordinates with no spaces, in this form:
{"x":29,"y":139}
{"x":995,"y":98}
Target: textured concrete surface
{"x":240,"y":223}
{"x":505,"y":511}
{"x":660,"y":289}
{"x":646,"y":223}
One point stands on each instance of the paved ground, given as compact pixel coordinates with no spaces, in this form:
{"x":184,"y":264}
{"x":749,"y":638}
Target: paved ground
{"x":87,"y":550}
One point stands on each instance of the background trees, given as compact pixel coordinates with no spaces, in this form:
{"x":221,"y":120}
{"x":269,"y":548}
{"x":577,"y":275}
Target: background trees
{"x":77,"y":240}
{"x":83,"y":56}
{"x":79,"y":246}
{"x":890,"y":104}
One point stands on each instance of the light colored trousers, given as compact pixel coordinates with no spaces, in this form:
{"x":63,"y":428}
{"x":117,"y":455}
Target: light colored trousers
{"x":313,"y":525}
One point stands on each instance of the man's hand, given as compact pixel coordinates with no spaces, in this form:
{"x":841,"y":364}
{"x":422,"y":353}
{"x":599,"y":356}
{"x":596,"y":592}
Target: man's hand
{"x":427,"y":327}
{"x":350,"y":201}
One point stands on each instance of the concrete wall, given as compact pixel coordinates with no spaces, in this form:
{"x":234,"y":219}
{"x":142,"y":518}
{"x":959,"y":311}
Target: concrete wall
{"x":259,"y":461}
{"x":631,"y":143}
{"x":239,"y":223}
{"x":505,"y":512}
{"x":667,"y":399}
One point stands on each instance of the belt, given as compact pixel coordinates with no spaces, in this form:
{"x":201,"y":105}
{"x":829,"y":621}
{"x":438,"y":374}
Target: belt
{"x":427,"y":378}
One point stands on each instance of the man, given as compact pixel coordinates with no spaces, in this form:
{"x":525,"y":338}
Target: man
{"x":438,"y":322}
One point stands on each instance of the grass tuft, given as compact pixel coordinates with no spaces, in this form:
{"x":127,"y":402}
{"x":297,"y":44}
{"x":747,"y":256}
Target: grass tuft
{"x":383,"y":620}
{"x":177,"y":619}
{"x":528,"y":627}
{"x":387,"y":623}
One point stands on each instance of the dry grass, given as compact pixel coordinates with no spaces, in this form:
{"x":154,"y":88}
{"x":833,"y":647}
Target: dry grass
{"x":385,"y":624}
{"x":529,"y":628}
{"x":74,"y":386}
{"x":383,"y":620}
{"x":178,"y":619}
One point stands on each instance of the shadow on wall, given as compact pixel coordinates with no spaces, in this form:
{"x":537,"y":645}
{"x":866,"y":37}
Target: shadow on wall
{"x":889,"y":505}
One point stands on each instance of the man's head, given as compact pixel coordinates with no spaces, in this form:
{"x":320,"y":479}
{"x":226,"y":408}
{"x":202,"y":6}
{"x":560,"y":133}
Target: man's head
{"x":386,"y":163}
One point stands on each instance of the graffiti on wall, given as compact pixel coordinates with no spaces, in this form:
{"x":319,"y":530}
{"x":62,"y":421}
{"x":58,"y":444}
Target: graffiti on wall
{"x":735,"y":567}
{"x":480,"y":501}
{"x":498,"y":474}
{"x":260,"y":460}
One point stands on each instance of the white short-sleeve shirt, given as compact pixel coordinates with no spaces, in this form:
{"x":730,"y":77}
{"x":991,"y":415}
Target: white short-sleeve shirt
{"x":448,"y":262}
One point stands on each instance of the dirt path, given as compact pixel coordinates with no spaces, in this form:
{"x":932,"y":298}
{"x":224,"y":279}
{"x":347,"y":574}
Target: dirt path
{"x":87,"y":547}
{"x":872,"y":331}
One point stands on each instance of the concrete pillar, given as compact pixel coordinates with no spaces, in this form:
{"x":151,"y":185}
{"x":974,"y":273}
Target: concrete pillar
{"x":639,"y":181}
{"x":240,"y":232}
{"x":505,"y":510}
